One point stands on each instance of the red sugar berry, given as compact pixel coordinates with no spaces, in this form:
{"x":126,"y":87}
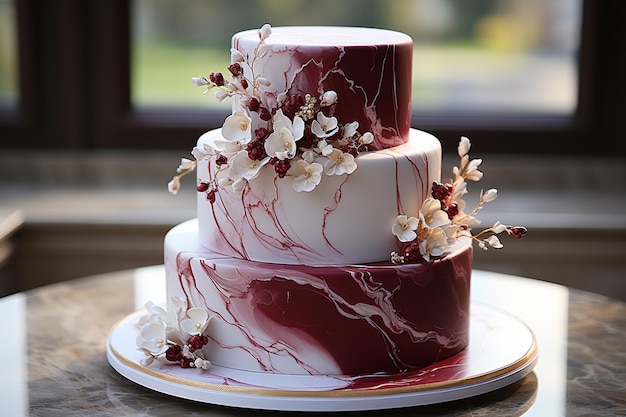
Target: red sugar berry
{"x":202,"y":187}
{"x":265,"y":114}
{"x":256,"y":150}
{"x":211,"y":196}
{"x":196,"y":342}
{"x":174,"y":353}
{"x":441,"y":191}
{"x":261,"y":133}
{"x":411,"y":252}
{"x":221,"y":160}
{"x":281,"y":167}
{"x":244,"y":83}
{"x":253,"y":104}
{"x":217,"y":78}
{"x":235,"y":69}
{"x":518,"y":231}
{"x":452,"y":210}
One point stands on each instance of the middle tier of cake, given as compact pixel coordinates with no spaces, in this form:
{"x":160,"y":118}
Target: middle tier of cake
{"x":345,"y":220}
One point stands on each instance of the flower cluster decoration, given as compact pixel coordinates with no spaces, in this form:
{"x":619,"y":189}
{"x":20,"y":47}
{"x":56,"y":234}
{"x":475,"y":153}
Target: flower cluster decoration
{"x":178,"y":334}
{"x":294,"y":133}
{"x":443,"y":217}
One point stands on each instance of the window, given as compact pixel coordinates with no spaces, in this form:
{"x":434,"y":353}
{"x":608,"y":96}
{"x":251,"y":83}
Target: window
{"x":115,"y":73}
{"x":489,"y":57}
{"x":8,"y":52}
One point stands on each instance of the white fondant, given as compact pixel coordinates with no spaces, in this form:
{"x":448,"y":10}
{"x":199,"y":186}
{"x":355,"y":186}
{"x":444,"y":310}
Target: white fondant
{"x":344,"y":220}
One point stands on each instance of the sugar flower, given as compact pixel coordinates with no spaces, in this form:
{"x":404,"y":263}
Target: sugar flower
{"x":328,"y":98}
{"x":178,"y":334}
{"x":236,"y":128}
{"x":350,"y":129}
{"x":366,"y":138}
{"x":443,"y":217}
{"x":434,"y":245}
{"x":174,"y":185}
{"x":282,"y":141}
{"x":196,"y":322}
{"x":236,"y":56}
{"x":323,"y":148}
{"x":306,"y":176}
{"x":265,"y":32}
{"x":239,"y":185}
{"x":432,"y":215}
{"x":324,"y":127}
{"x":152,"y":338}
{"x":339,"y":163}
{"x":404,"y":228}
{"x":244,"y":167}
{"x":266,"y":128}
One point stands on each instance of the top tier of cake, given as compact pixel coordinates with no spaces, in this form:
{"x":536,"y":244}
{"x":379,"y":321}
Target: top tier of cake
{"x":369,"y":69}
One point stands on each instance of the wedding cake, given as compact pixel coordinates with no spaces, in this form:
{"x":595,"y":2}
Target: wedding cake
{"x":326,"y":241}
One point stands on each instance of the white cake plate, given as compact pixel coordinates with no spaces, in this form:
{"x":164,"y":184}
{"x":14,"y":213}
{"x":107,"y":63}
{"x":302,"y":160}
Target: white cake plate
{"x":502,"y":350}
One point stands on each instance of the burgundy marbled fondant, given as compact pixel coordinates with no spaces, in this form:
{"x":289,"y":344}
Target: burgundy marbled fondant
{"x":329,"y":320}
{"x":369,"y":69}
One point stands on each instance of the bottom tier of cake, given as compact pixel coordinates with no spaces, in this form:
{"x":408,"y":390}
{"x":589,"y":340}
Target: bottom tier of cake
{"x":349,"y":320}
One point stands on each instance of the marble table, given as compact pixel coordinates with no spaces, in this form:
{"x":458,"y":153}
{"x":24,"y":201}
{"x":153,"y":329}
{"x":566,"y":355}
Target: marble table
{"x":54,"y":363}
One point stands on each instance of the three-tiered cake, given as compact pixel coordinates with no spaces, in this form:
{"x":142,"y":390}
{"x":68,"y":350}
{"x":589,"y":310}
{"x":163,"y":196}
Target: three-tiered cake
{"x":325,"y":242}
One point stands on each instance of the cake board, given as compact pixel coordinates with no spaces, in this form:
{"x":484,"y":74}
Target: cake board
{"x":502,"y":350}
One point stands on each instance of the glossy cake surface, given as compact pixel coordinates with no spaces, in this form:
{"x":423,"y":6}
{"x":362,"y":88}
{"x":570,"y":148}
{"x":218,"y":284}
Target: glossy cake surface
{"x":296,"y":319}
{"x":369,"y":69}
{"x":345,"y":220}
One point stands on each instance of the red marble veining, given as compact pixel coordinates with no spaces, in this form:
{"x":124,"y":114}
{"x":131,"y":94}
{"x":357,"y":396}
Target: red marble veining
{"x":345,"y":220}
{"x":373,"y":81}
{"x":365,"y":319}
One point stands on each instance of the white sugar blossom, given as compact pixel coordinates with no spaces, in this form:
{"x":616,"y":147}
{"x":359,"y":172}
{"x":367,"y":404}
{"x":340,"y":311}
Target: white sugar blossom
{"x":204,"y":153}
{"x":472,"y":173}
{"x":309,"y":155}
{"x":152,"y":338}
{"x":227,"y":148}
{"x":432,"y":215}
{"x":339,"y":163}
{"x":199,"y":81}
{"x":236,"y":127}
{"x":350,"y":129}
{"x":221,"y":95}
{"x":498,"y":227}
{"x":179,"y":306}
{"x":236,"y":56}
{"x":265,"y":32}
{"x":282,"y":141}
{"x":404,"y":228}
{"x":328,"y":98}
{"x":492,"y":241}
{"x":434,"y":245}
{"x":174,"y":185}
{"x":186,"y":164}
{"x":239,"y":185}
{"x":323,"y":126}
{"x":263,"y":81}
{"x":323,"y":148}
{"x":202,"y":364}
{"x":490,"y":195}
{"x":196,"y":322}
{"x":367,"y":138}
{"x":178,"y":333}
{"x":306,"y":176}
{"x":464,"y":146}
{"x":244,"y":167}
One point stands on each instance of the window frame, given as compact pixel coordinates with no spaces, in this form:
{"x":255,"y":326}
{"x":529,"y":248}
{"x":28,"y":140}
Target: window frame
{"x":75,"y":91}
